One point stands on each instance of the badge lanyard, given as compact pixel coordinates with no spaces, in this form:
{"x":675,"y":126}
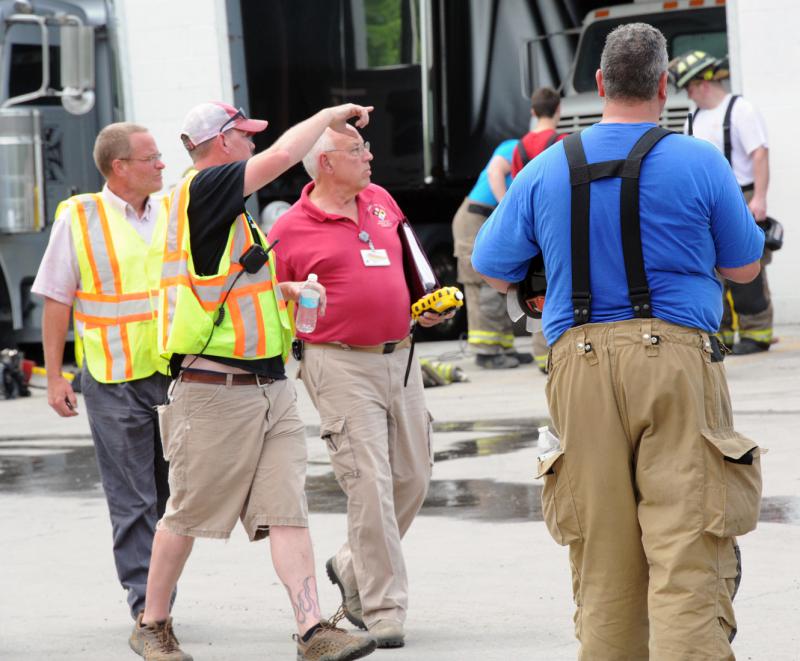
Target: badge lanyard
{"x":372,"y":256}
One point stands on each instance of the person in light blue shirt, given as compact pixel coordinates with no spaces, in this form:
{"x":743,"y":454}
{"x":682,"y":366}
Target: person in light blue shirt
{"x":693,"y":219}
{"x":490,"y":332}
{"x":649,"y":485}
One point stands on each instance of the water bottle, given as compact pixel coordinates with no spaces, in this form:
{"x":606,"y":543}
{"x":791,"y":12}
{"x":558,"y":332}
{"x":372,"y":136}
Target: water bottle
{"x":306,"y":320}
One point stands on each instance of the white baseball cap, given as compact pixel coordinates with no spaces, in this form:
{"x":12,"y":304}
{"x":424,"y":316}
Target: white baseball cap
{"x":208,"y":120}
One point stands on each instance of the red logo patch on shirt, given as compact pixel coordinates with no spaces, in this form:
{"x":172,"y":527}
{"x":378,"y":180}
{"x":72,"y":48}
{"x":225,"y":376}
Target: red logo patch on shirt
{"x":380,"y":213}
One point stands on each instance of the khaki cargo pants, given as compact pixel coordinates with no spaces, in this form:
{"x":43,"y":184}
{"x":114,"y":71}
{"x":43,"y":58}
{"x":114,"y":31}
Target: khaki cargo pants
{"x":649,"y":489}
{"x":378,"y":435}
{"x":489,"y":329}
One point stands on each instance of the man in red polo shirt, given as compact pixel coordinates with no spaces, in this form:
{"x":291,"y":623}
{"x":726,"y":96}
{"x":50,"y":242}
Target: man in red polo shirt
{"x":378,"y":431}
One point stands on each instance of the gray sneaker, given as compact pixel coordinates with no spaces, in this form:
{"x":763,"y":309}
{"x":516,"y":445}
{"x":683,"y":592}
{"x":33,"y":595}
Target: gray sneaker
{"x":156,"y":642}
{"x":330,"y":643}
{"x":388,"y":633}
{"x":351,"y":603}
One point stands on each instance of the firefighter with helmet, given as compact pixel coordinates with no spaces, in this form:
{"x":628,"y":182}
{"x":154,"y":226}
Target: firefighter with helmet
{"x":735,"y":127}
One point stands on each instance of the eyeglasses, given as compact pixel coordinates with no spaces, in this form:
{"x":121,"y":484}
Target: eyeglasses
{"x":356,"y":151}
{"x":152,"y":160}
{"x":240,"y":114}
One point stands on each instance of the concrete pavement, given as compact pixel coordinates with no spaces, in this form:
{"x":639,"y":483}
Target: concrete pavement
{"x":487,"y":581}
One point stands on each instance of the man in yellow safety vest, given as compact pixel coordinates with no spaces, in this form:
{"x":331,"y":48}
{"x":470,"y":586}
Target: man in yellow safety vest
{"x":232,"y":433}
{"x":102,"y":266}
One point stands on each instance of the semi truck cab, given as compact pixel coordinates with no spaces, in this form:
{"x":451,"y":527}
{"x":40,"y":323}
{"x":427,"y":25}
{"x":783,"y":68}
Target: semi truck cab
{"x":51,"y":54}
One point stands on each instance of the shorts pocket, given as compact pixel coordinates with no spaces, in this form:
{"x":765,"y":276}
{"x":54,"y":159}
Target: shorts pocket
{"x":558,"y":505}
{"x":173,"y":428}
{"x":165,"y":430}
{"x":732,"y":494}
{"x":334,"y":432}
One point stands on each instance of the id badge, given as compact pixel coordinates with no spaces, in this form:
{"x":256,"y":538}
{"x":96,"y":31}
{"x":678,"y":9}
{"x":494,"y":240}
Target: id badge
{"x":375,"y":257}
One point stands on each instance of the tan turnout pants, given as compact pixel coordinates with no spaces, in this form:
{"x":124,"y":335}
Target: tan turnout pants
{"x":489,"y":329}
{"x":378,"y":435}
{"x":748,"y":308}
{"x":649,"y":489}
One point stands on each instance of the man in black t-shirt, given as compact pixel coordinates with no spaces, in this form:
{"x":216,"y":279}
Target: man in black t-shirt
{"x":237,"y":415}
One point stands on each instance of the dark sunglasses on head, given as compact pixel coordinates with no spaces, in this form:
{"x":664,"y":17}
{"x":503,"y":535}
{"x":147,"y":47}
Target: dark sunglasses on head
{"x":240,"y":114}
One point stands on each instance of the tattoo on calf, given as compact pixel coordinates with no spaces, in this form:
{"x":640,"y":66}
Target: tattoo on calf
{"x":305,"y":604}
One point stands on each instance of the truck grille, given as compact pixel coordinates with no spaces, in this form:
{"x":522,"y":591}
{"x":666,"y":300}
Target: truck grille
{"x":672,"y":118}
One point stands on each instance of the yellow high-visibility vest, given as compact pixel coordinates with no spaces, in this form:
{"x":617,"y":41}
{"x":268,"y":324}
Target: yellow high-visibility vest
{"x":254,"y":323}
{"x":115,"y":308}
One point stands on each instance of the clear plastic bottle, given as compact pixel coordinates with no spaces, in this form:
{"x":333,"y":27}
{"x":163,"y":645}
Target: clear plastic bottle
{"x":306,"y":320}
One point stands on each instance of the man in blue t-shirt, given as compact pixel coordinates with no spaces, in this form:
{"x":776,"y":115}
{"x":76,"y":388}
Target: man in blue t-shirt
{"x":650,"y":483}
{"x":490,"y":331}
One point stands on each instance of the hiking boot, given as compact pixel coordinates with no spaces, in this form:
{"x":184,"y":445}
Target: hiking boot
{"x":330,"y":643}
{"x":388,"y":633}
{"x":499,"y":361}
{"x":351,"y":603}
{"x":747,"y":346}
{"x":156,"y":642}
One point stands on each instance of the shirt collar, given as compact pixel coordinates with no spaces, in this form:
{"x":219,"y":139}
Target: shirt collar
{"x":315,"y":213}
{"x":125,"y":208}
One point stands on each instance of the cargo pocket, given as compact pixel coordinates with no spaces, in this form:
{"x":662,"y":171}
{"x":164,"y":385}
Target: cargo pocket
{"x":558,"y":505}
{"x":732,"y":495}
{"x":334,"y":432}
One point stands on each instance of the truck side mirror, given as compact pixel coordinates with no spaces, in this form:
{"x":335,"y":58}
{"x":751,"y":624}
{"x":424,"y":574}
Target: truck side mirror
{"x":77,"y":68}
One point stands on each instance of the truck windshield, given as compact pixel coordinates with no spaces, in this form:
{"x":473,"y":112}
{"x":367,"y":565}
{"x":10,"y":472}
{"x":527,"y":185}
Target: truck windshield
{"x":697,"y":29}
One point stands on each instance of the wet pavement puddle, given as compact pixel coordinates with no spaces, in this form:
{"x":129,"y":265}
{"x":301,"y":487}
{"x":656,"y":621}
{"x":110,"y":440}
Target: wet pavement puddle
{"x":66,"y":466}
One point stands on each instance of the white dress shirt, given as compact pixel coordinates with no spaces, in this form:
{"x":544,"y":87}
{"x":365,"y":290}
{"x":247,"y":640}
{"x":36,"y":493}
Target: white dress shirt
{"x":59,"y":276}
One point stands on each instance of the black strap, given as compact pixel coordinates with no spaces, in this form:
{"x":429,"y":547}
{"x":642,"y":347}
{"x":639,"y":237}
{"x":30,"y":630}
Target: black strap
{"x":638,"y":290}
{"x":581,"y":176}
{"x":690,"y":119}
{"x":726,"y":130}
{"x":523,"y":154}
{"x":410,"y":355}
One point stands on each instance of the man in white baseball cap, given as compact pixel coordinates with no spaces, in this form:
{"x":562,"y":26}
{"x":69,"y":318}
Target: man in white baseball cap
{"x":208,"y":120}
{"x":231,"y":430}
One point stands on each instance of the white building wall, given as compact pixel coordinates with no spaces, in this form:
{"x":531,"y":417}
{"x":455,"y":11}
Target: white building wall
{"x":174,"y":55}
{"x":765,"y":60}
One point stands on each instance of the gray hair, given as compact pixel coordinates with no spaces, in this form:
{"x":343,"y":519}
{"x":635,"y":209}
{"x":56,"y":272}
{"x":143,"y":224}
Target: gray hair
{"x":311,"y":159}
{"x":633,"y":60}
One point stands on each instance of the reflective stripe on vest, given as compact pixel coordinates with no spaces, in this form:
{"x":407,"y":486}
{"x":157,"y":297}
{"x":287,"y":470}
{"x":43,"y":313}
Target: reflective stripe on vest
{"x":115,"y":307}
{"x":254,"y":323}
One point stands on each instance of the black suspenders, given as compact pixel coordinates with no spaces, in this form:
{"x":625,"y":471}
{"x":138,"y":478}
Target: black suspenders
{"x":581,"y":175}
{"x":726,"y":130}
{"x":727,"y":144}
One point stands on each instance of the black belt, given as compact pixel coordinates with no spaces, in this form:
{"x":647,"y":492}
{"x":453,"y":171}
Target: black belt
{"x":747,"y":188}
{"x":480,"y":209}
